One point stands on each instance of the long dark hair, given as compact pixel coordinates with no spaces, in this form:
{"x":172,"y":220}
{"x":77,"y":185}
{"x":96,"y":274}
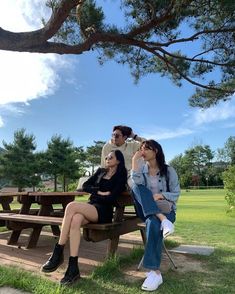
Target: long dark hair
{"x":121,"y":169}
{"x":160,"y":157}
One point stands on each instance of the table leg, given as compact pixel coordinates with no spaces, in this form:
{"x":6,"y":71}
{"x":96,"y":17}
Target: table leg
{"x":113,"y":243}
{"x":5,"y":202}
{"x":14,"y":237}
{"x":112,"y":246}
{"x":16,"y":233}
{"x":6,"y":206}
{"x":34,"y":236}
{"x":55,"y":230}
{"x":25,"y":208}
{"x":26,"y":203}
{"x":47,"y":210}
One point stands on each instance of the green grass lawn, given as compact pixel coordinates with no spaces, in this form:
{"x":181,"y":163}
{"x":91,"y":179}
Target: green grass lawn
{"x":201,"y":219}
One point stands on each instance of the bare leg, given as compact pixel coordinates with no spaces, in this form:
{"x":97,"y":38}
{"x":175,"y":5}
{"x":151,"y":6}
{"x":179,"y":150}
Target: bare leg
{"x":87,"y":210}
{"x":75,"y":233}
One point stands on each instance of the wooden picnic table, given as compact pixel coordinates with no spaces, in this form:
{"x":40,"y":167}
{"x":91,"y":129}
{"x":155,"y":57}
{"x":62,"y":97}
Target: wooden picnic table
{"x":45,"y":200}
{"x":124,"y":220}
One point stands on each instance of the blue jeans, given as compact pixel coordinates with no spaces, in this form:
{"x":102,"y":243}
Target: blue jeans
{"x":146,"y":208}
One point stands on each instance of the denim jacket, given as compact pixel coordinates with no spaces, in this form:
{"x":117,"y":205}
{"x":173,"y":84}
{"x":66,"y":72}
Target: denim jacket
{"x":174,"y":187}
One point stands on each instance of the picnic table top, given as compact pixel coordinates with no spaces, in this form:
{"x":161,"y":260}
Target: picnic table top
{"x":58,"y":193}
{"x":75,"y":193}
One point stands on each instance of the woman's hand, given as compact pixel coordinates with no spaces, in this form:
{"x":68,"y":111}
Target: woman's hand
{"x":137,"y":156}
{"x":135,"y":160}
{"x":158,"y":197}
{"x":104,"y":193}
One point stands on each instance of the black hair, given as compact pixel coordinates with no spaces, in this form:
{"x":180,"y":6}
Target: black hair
{"x":121,"y":169}
{"x":160,"y":157}
{"x":126,"y":131}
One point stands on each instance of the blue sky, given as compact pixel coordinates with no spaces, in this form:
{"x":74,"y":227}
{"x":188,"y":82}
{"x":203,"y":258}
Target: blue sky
{"x":76,"y":97}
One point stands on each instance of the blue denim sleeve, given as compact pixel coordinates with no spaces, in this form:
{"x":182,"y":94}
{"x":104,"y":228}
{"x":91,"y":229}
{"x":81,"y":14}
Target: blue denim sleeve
{"x":174,"y":186}
{"x":137,"y":177}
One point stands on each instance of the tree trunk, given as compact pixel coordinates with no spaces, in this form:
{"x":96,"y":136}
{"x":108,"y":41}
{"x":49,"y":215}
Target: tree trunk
{"x":55,"y":183}
{"x":64,"y":183}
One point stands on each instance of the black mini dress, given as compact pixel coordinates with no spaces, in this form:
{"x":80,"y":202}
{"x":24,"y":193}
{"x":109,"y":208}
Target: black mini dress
{"x":104,"y":204}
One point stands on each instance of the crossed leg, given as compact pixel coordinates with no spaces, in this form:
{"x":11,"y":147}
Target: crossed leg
{"x":76,"y":215}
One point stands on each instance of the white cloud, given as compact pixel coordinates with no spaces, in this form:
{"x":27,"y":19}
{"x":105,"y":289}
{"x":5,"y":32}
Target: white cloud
{"x":221,"y":112}
{"x":11,"y":108}
{"x":162,"y":134}
{"x":195,"y":121}
{"x":26,"y":76}
{"x":22,"y":15}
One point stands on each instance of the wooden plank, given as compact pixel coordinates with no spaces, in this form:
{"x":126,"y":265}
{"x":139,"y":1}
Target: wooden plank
{"x":25,"y":218}
{"x":102,"y":227}
{"x":10,"y":194}
{"x":50,"y":220}
{"x":65,"y":194}
{"x":96,"y":235}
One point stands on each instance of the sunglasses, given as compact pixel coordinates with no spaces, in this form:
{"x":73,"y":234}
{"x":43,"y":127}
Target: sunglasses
{"x":116,"y":135}
{"x":109,"y":157}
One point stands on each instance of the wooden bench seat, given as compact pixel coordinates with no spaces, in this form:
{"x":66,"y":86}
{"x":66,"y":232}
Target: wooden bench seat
{"x":91,"y":232}
{"x":50,"y":220}
{"x":33,"y":219}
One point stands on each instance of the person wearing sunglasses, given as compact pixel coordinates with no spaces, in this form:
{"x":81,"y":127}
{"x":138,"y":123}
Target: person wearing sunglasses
{"x":119,"y":142}
{"x":104,"y":186}
{"x":155,"y":191}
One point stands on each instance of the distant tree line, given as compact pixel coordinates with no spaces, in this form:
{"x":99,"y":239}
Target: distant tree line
{"x":22,"y":166}
{"x":197,"y":167}
{"x":200,"y":166}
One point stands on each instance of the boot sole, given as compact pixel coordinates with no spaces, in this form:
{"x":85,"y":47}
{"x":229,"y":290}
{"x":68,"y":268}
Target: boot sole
{"x":53,"y":269}
{"x":75,"y":279}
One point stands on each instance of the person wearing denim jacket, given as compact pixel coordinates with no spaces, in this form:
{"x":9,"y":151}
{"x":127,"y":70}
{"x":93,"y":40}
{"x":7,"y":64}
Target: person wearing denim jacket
{"x":154,"y":181}
{"x":172,"y":195}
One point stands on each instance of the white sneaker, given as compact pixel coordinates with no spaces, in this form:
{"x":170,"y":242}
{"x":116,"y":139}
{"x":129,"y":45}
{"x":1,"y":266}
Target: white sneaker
{"x":152,"y":282}
{"x":167,"y":227}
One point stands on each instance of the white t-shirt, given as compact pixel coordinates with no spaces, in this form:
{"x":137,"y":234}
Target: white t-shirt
{"x":154,"y":184}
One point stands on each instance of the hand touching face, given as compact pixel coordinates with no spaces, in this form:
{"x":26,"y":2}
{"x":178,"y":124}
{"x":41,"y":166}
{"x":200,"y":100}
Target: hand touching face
{"x":137,"y":155}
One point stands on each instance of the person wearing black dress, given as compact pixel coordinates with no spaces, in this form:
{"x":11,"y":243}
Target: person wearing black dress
{"x":104,"y":186}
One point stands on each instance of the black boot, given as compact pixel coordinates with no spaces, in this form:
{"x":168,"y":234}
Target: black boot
{"x":56,"y":259}
{"x":72,"y":273}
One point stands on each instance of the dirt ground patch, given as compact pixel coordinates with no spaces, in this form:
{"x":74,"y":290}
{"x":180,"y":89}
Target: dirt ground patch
{"x":91,"y":255}
{"x":184,"y":263}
